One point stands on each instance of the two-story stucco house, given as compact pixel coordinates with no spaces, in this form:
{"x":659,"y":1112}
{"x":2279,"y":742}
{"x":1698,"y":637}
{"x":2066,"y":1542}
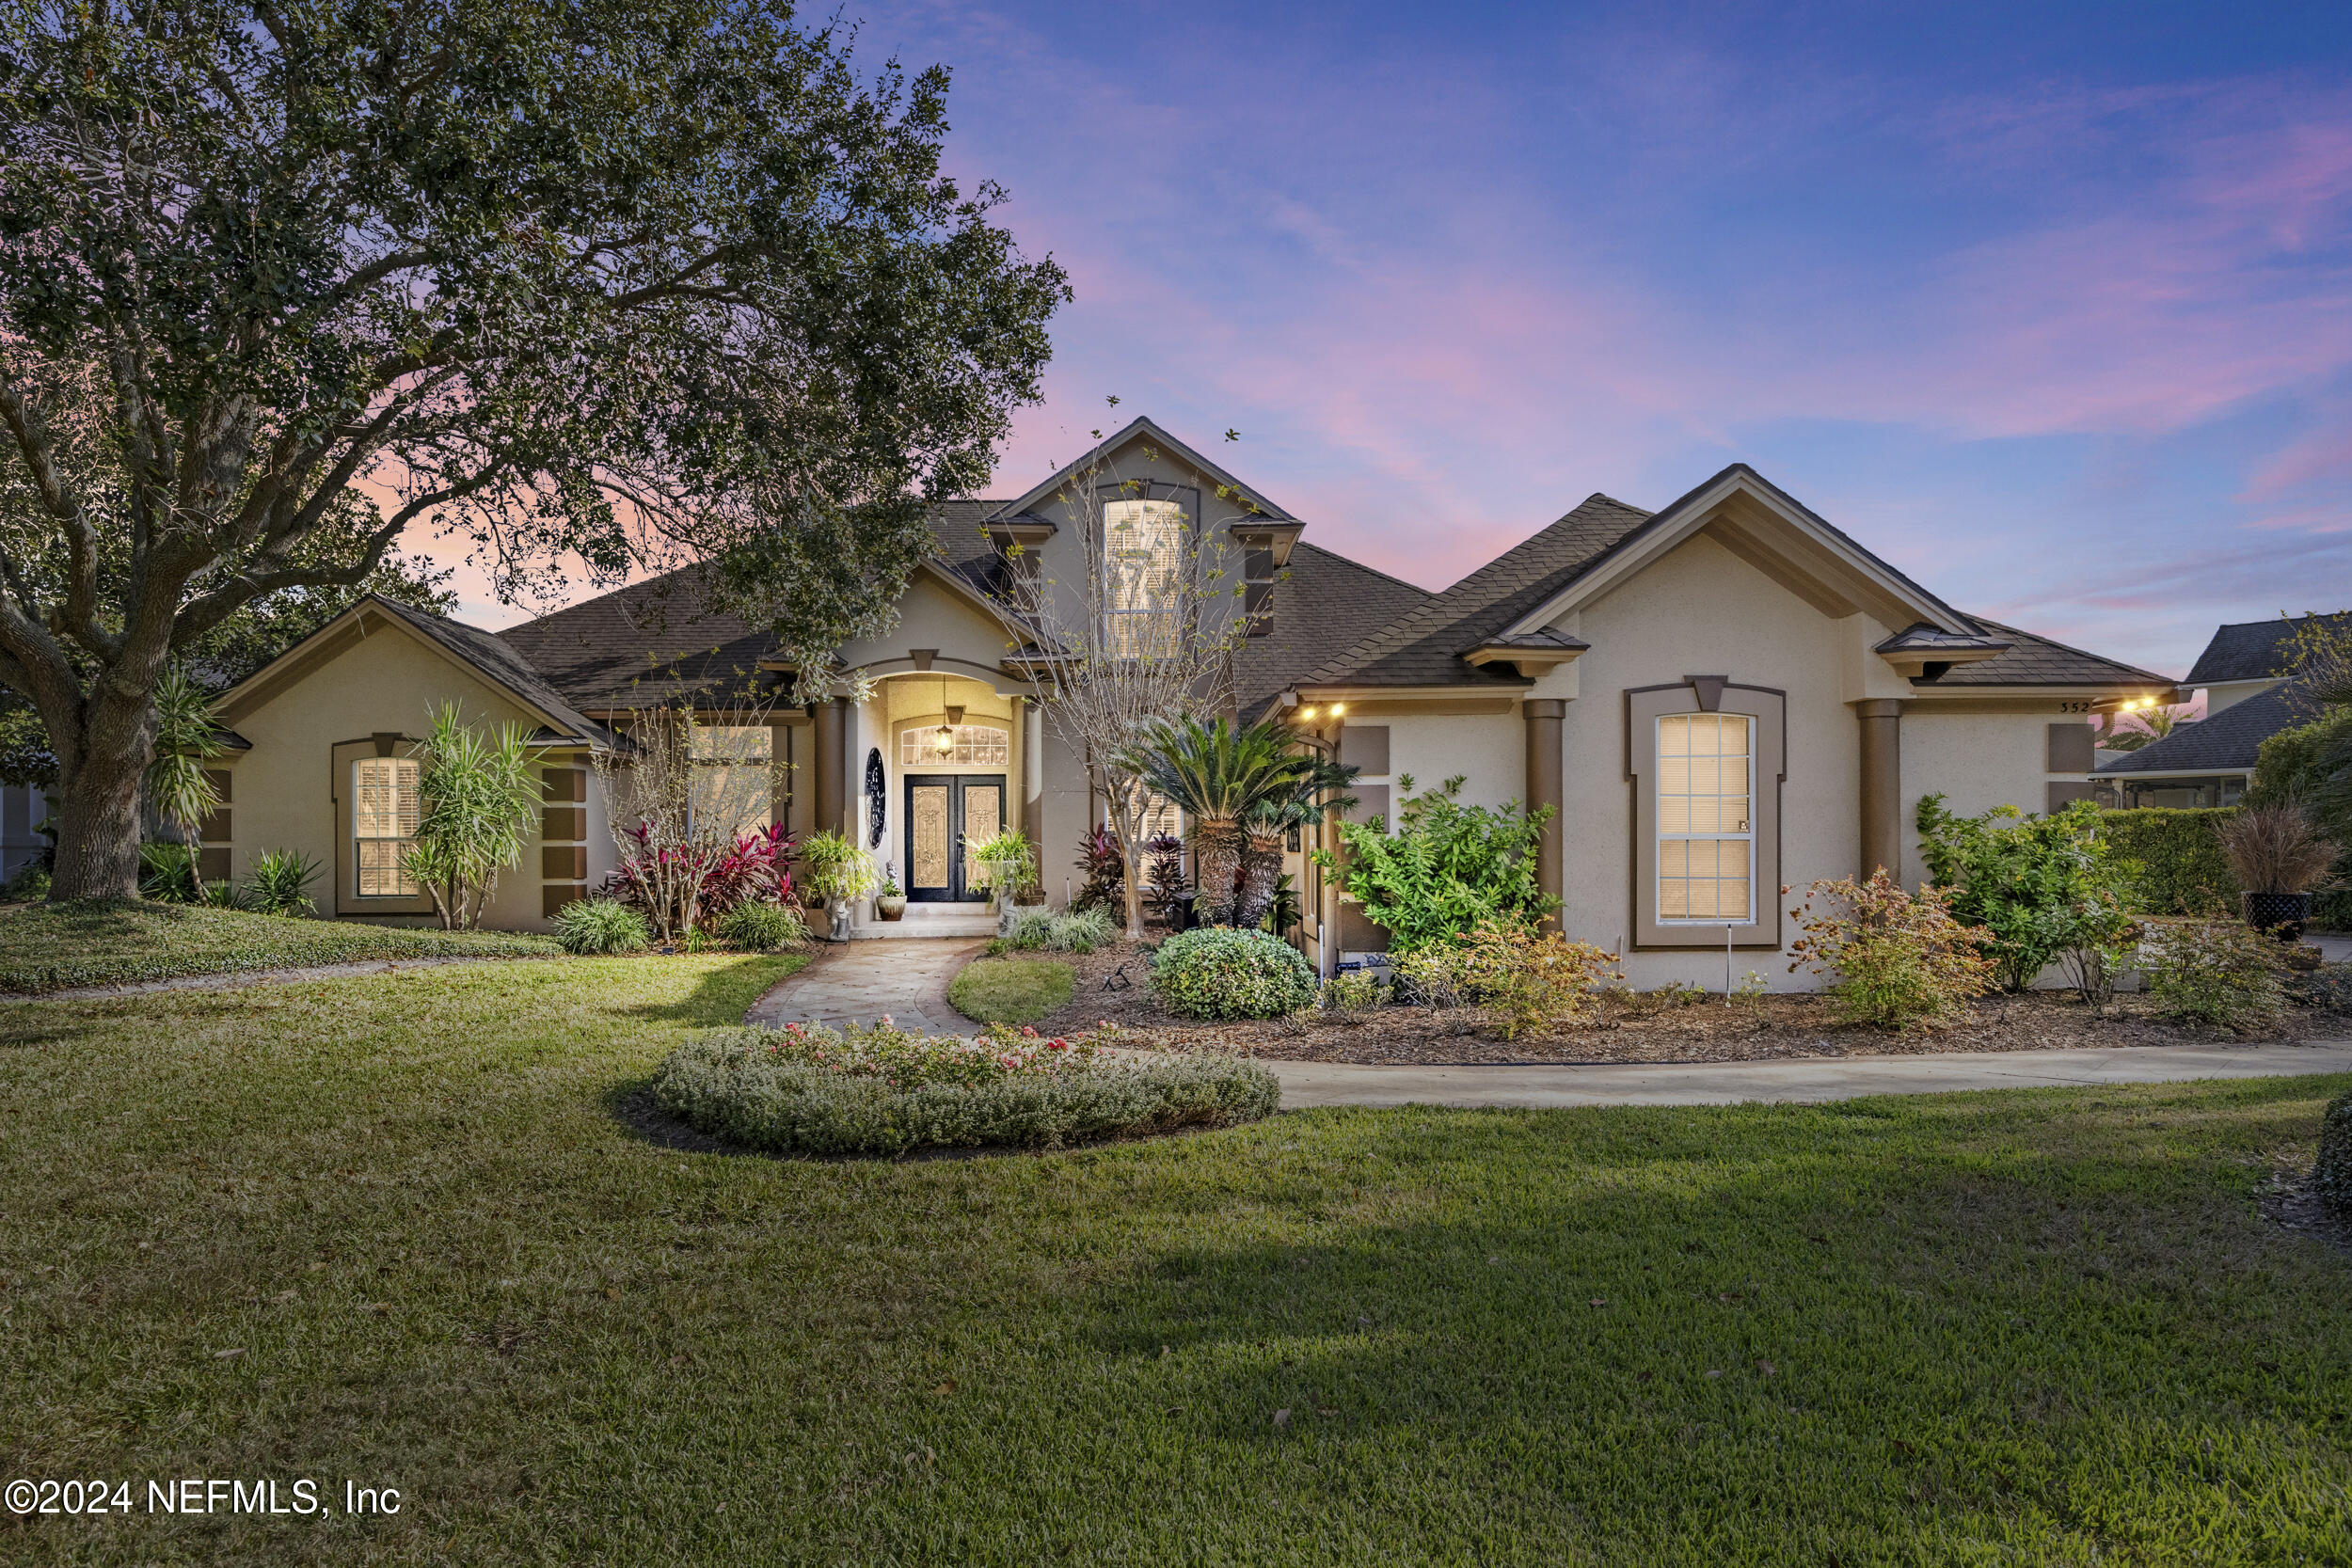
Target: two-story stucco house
{"x":1717,"y":699}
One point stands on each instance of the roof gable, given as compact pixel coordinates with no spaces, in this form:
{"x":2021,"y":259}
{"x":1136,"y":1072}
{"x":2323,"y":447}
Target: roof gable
{"x":1140,"y":427}
{"x":478,"y":651}
{"x":1772,"y":530}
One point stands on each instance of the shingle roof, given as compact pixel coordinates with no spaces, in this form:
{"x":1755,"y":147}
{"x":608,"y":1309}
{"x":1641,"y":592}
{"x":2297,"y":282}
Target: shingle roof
{"x":2250,"y":650}
{"x":658,"y":640}
{"x":2032,"y":660}
{"x":499,"y":663}
{"x":1424,"y":648}
{"x":1326,"y":602}
{"x":2225,"y":743}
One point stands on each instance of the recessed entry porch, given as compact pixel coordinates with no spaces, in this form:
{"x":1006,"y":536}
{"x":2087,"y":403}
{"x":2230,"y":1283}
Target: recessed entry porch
{"x":940,"y":763}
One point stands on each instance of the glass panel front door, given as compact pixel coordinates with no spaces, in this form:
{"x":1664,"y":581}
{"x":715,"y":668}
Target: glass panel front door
{"x":947,"y":816}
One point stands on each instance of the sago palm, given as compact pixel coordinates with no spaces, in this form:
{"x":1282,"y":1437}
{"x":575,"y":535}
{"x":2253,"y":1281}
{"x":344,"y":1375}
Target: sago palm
{"x":1218,"y":774}
{"x":1318,"y":785}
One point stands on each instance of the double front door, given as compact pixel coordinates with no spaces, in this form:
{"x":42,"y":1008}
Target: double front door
{"x":948,"y":817}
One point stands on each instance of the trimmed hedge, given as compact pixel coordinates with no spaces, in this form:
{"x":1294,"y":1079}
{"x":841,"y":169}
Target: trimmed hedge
{"x":2332,"y":1173}
{"x":729,"y":1083}
{"x":1219,"y":972}
{"x":2178,"y":854}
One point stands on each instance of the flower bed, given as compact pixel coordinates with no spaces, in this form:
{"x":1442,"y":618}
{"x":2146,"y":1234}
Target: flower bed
{"x":809,"y":1089}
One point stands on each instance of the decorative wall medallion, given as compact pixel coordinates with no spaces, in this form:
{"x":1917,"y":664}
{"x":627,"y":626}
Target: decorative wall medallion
{"x":876,"y":786}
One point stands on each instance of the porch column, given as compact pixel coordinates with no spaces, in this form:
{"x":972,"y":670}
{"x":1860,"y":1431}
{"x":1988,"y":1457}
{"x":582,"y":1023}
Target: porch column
{"x":1881,"y":785}
{"x":1546,"y":787}
{"x":832,"y":728}
{"x":1030,"y":727}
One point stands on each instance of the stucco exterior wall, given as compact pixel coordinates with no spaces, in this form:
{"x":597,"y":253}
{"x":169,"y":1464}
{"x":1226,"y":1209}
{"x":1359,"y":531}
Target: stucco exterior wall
{"x":1700,"y":609}
{"x":284,"y":789}
{"x":1977,"y":761}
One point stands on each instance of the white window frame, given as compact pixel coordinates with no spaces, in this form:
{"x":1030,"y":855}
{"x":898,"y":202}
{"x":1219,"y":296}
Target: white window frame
{"x":407,"y":885}
{"x":1127,"y":607}
{"x":1745,"y":838}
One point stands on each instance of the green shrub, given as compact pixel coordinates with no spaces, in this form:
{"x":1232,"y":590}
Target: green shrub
{"x":281,"y":883}
{"x":1223,"y":972}
{"x":1349,"y":996}
{"x":756,"y":927}
{"x":167,"y":873}
{"x":1445,"y":870}
{"x":1901,"y":959}
{"x":31,"y":881}
{"x":1534,"y":983}
{"x":2040,"y":886}
{"x":1039,"y":929}
{"x":1434,"y":976}
{"x":589,"y":925}
{"x":2304,"y":764}
{"x":2332,"y":1173}
{"x":2175,"y":857}
{"x":2216,"y":972}
{"x":810,"y":1091}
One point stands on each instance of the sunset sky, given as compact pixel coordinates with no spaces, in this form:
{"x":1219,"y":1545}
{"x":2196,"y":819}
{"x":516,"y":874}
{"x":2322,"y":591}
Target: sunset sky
{"x":2052,"y":307}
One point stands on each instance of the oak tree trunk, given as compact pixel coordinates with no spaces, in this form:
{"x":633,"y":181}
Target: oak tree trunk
{"x":102,"y":764}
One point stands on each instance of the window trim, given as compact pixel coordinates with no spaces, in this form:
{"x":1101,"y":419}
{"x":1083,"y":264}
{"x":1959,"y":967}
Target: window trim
{"x":342,"y":778}
{"x":1767,"y":707}
{"x":1112,"y":615}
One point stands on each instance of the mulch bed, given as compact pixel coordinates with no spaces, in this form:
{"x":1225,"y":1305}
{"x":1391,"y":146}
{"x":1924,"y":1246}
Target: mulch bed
{"x":1633,"y":1027}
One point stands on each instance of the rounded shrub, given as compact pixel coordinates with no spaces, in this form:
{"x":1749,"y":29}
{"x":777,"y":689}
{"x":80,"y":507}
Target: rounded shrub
{"x":590,"y":925}
{"x":2332,"y":1173}
{"x":811,"y":1092}
{"x":1222,"y":972}
{"x":762,"y":927}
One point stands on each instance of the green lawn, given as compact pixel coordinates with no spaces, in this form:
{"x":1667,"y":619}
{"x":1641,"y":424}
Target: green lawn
{"x":2028,"y":1327}
{"x":55,"y":946}
{"x":1009,"y":991}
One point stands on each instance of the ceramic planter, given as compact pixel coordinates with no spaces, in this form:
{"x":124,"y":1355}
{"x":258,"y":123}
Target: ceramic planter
{"x":2279,"y":913}
{"x":890,"y":906}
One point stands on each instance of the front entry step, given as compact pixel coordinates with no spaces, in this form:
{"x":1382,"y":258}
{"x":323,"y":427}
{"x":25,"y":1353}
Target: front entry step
{"x":929,"y":920}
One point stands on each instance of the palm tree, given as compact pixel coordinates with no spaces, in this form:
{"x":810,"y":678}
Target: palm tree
{"x":1320,"y":785}
{"x":1218,"y":774}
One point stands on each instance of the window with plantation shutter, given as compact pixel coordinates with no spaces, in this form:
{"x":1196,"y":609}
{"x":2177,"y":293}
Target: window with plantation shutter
{"x":385,"y":804}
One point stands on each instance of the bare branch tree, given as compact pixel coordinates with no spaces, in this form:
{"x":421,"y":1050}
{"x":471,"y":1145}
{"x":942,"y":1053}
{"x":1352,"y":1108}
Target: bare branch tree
{"x":1142,"y":628}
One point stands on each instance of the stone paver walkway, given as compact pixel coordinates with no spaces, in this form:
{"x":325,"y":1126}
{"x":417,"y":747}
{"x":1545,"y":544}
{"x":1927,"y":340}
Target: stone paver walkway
{"x":866,"y":980}
{"x":1305,"y":1084}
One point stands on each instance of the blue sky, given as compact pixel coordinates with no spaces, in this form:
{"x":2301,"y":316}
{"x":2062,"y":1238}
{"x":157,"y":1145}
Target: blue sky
{"x":2051,"y":307}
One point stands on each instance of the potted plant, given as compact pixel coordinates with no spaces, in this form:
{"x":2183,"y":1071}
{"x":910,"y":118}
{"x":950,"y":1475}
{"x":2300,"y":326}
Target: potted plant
{"x":890,"y":902}
{"x":837,"y":872}
{"x":2277,"y":860}
{"x":1004,"y":865}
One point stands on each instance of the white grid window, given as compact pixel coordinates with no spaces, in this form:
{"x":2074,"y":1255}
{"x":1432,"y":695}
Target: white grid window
{"x":384,"y":810}
{"x":1705,"y":819}
{"x":970,"y":746}
{"x":1143,"y":553}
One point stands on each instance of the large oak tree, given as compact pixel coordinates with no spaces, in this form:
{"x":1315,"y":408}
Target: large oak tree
{"x":612,"y":283}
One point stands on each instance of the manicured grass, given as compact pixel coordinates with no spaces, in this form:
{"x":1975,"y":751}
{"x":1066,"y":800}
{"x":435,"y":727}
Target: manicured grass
{"x":56,"y":946}
{"x":1009,"y":991}
{"x":2031,"y":1328}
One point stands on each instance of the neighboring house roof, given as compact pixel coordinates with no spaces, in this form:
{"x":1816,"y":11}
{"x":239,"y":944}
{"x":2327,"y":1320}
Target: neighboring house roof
{"x":1424,"y":647}
{"x":2031,"y":660}
{"x":2226,"y":743}
{"x":2252,"y":650}
{"x":1326,"y":602}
